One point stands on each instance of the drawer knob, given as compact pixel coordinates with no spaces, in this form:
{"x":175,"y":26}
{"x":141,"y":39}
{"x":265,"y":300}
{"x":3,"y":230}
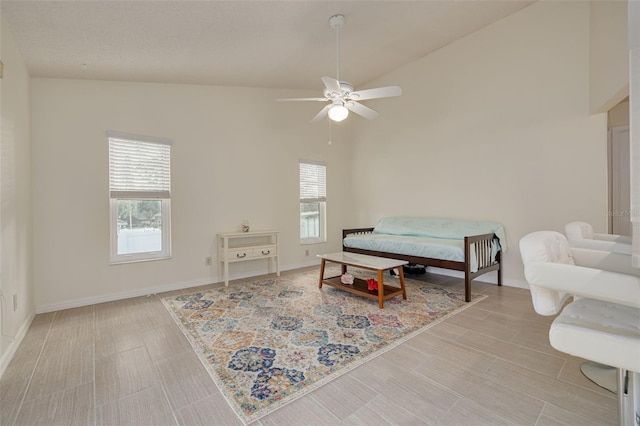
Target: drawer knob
{"x":266,"y":252}
{"x":241,"y":255}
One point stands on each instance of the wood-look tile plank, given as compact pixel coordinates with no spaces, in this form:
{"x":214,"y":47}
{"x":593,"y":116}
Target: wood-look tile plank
{"x":149,"y":407}
{"x":404,"y":356}
{"x":303,"y":411}
{"x":512,"y":405}
{"x":424,"y":398}
{"x":536,"y":336}
{"x":380,"y":411}
{"x":210,"y":411}
{"x":62,"y":364}
{"x":23,"y":363}
{"x":590,"y":404}
{"x":500,"y":326}
{"x":17,"y":375}
{"x":553,"y":415}
{"x":73,"y":406}
{"x":344,"y":395}
{"x":123,"y":374}
{"x":184,"y":379}
{"x":429,"y":345}
{"x":112,"y":340}
{"x":446,"y":330}
{"x":73,"y":317}
{"x":11,"y":395}
{"x":376,"y":373}
{"x":466,"y":411}
{"x":81,"y":334}
{"x":571,"y":374}
{"x":164,"y":341}
{"x":115,"y":315}
{"x":38,"y":330}
{"x":536,"y":360}
{"x":520,"y":307}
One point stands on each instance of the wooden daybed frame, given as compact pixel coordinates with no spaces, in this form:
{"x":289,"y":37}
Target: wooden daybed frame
{"x":482,"y":248}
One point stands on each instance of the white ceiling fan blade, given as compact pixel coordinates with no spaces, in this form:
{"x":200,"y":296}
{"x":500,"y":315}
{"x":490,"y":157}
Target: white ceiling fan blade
{"x":380,"y":92}
{"x":301,"y":99}
{"x":362,"y":110}
{"x":323,"y":112}
{"x":331,"y":84}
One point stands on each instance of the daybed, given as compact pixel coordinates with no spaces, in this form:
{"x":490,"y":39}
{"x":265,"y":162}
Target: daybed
{"x":472,"y":247}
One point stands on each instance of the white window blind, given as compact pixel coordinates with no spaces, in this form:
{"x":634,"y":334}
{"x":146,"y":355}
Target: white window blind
{"x":139,"y":167}
{"x":313,"y":182}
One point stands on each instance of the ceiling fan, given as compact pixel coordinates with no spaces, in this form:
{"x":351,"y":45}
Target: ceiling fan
{"x":340,"y":94}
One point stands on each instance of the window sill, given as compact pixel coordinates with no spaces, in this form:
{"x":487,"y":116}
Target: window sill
{"x":122,"y":262}
{"x":309,"y":242}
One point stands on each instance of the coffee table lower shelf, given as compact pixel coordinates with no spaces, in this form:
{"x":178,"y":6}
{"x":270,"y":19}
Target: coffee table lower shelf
{"x":360,"y":288}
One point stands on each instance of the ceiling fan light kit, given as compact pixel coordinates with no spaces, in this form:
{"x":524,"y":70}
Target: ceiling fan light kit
{"x":338,"y":111}
{"x":341,"y":94}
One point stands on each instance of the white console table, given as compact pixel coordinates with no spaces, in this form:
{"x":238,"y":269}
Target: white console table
{"x":241,"y":246}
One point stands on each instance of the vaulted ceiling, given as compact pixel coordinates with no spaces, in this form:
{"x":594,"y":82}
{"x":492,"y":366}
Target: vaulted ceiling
{"x":272,"y":44}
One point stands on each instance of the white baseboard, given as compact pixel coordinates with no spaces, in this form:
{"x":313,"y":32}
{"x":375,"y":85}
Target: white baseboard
{"x":40,"y":309}
{"x":13,"y":347}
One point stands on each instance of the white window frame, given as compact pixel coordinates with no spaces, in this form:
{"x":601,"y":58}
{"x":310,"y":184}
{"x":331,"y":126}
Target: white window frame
{"x":320,"y":198}
{"x":139,"y":194}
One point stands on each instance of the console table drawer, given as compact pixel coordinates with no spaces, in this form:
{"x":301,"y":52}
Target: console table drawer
{"x":265,"y":251}
{"x":252,"y":252}
{"x":237,"y":254}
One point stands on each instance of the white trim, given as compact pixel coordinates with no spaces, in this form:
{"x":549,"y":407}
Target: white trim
{"x":40,"y":309}
{"x":15,"y":344}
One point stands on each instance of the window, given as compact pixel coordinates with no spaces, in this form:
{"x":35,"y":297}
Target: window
{"x":140,"y":197}
{"x":313,"y":200}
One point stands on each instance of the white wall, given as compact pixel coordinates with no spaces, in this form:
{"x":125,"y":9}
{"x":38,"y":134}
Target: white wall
{"x":514,"y":96}
{"x":15,"y":197}
{"x":609,"y":54}
{"x":234,"y":156}
{"x":495,"y":126}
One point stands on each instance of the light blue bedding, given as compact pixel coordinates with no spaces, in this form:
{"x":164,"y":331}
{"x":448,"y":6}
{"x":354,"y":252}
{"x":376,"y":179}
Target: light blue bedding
{"x":455,"y":229}
{"x":427,"y":237}
{"x":436,"y":248}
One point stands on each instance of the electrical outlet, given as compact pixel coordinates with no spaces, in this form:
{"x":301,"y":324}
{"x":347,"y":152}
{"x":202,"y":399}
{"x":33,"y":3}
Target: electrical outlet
{"x":207,"y":261}
{"x":15,"y":302}
{"x":306,"y":252}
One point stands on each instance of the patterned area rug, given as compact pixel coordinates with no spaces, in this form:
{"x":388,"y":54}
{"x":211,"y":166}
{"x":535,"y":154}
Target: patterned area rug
{"x":269,"y":342}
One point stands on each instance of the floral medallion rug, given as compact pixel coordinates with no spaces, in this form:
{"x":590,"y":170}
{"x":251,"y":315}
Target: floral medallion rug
{"x":269,"y":342}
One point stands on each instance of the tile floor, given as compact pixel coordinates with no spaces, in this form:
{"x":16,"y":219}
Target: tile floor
{"x":127,"y":363}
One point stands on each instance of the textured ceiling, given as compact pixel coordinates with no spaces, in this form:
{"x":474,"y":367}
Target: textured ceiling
{"x":277,"y":44}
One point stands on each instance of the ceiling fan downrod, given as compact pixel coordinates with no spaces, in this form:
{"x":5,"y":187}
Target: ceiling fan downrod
{"x":336,"y":21}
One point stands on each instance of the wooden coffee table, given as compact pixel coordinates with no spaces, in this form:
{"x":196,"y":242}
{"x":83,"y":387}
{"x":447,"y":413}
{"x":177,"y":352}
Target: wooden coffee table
{"x":359,"y":287}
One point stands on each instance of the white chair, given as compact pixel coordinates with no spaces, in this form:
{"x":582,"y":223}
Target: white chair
{"x":581,"y":235}
{"x":601,"y":324}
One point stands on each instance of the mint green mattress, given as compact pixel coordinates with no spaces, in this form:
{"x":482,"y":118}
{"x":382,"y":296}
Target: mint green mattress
{"x":427,"y":237}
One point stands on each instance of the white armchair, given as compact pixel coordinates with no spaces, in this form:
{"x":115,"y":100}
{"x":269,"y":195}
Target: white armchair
{"x":581,"y":235}
{"x":602,"y":324}
{"x":555,"y":272}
